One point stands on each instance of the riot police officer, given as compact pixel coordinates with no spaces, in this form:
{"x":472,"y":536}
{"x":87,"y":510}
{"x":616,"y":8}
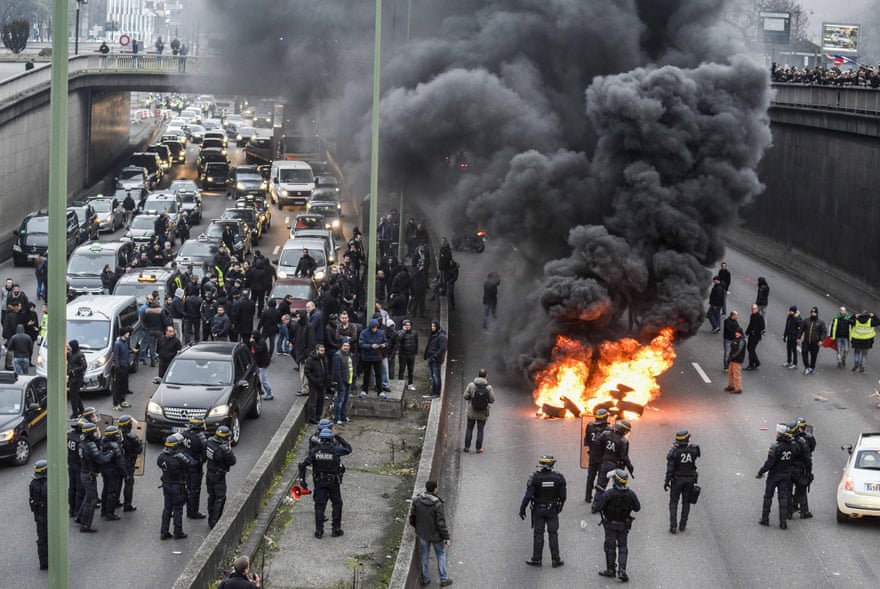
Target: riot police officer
{"x":91,"y":459}
{"x":681,"y":476}
{"x":779,"y":462}
{"x":591,"y":440}
{"x":801,"y":469}
{"x":173,"y":463}
{"x":112,"y":472}
{"x":220,"y":459}
{"x":132,"y":447}
{"x":545,"y":491}
{"x":615,"y":452}
{"x":327,"y":471}
{"x":315,"y":438}
{"x":616,"y":505}
{"x":74,"y":485}
{"x":38,"y":491}
{"x":194,"y":444}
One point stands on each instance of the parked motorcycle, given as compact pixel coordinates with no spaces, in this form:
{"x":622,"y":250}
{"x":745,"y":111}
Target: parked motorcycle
{"x":469,"y":242}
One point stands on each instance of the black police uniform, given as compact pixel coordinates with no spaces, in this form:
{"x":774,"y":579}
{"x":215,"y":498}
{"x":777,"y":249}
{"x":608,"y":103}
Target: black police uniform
{"x":194,"y":444}
{"x":327,"y":471}
{"x":220,"y":459}
{"x":546,"y":491}
{"x":801,"y":477}
{"x":38,"y":491}
{"x":681,"y":476}
{"x":132,"y":447}
{"x":91,"y":458}
{"x":112,"y":473}
{"x":616,"y":506}
{"x":173,"y":464}
{"x":615,"y":454}
{"x":75,"y":491}
{"x":591,"y":439}
{"x":779,"y":463}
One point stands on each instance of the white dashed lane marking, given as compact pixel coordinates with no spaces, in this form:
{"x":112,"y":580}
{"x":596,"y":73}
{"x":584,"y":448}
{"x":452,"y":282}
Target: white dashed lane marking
{"x":701,"y":372}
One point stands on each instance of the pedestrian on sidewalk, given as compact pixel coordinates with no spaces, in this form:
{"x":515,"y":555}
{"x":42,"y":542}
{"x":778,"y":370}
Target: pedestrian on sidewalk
{"x":435,"y":354}
{"x":408,"y":349}
{"x":754,"y":333}
{"x":318,"y":375}
{"x":794,"y":328}
{"x":343,"y":377}
{"x":428,"y":516}
{"x":737,"y":356}
{"x":479,"y":395}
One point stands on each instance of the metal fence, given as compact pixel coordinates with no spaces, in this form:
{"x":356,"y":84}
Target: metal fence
{"x":843,"y":99}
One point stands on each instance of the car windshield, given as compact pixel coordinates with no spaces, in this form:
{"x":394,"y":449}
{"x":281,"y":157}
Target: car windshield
{"x":143,"y":222}
{"x":168,"y":205}
{"x":291,"y":257}
{"x":218,"y":169}
{"x":183,"y":185}
{"x":139,"y":290}
{"x":10,"y":401}
{"x":197,"y":249}
{"x":249,"y":177}
{"x":82,"y":264}
{"x":243,"y":213}
{"x":91,"y":334}
{"x":102,"y":206}
{"x":301,"y":292}
{"x":184,"y":371}
{"x":37,"y":225}
{"x":188,"y":197}
{"x":868,"y":460}
{"x":296,"y":176}
{"x":215,"y":230}
{"x":131,"y":175}
{"x":80,"y":214}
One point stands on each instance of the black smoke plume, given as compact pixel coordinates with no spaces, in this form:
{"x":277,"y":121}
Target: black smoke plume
{"x":609,"y":141}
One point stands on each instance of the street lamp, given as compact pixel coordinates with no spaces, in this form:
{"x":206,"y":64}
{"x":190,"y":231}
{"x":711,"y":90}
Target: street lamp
{"x":76,"y":32}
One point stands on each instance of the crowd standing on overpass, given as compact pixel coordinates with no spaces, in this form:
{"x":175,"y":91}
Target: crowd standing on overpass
{"x":861,"y":76}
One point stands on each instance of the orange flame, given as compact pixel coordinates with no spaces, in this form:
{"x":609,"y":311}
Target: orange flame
{"x":588,"y":377}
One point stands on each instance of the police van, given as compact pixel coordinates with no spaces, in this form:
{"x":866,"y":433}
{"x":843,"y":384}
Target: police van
{"x":95,"y":321}
{"x":88,"y":260}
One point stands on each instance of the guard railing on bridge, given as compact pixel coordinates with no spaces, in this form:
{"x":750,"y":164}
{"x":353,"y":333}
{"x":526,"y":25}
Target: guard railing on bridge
{"x":849,"y":99}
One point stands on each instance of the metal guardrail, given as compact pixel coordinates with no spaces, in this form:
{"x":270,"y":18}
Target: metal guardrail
{"x":843,"y":99}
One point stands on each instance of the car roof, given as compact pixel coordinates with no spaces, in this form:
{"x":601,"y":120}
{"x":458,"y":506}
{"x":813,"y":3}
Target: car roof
{"x":99,"y":305}
{"x":8,"y":379}
{"x":157,"y":275}
{"x":305,"y":242}
{"x":869,"y":441}
{"x":100,"y":247}
{"x":213,"y":350}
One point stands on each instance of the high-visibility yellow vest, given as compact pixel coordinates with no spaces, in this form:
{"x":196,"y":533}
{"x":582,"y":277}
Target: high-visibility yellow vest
{"x":220,"y":281}
{"x":862,"y":330}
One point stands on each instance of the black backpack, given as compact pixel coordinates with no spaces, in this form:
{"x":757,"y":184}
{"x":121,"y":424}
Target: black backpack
{"x":480,"y":398}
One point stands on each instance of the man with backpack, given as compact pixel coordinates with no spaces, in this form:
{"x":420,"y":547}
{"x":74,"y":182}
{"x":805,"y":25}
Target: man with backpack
{"x":480,"y":395}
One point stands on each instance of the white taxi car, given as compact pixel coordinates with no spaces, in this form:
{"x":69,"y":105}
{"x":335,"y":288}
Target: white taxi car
{"x":858,"y":494}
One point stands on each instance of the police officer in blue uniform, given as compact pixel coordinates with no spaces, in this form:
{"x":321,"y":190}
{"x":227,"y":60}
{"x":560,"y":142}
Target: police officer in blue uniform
{"x":681,"y":476}
{"x":546,"y":492}
{"x":173,"y":462}
{"x":616,"y":505}
{"x":327,"y":471}
{"x":112,"y":472}
{"x":74,"y":485}
{"x":780,"y":459}
{"x":194,"y":444}
{"x":132,"y":447}
{"x":38,"y":497}
{"x":220,"y":459}
{"x":802,"y":468}
{"x":91,"y":458}
{"x":591,"y":440}
{"x":615,"y":452}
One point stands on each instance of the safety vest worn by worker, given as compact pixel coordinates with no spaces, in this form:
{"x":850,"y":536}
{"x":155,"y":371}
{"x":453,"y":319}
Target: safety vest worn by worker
{"x":862,"y":330}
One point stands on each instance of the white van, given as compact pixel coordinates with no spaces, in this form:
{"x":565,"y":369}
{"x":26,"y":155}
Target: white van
{"x":291,"y":182}
{"x":95,"y":321}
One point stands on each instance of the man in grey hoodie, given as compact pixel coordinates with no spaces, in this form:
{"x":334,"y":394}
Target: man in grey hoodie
{"x":428,"y":516}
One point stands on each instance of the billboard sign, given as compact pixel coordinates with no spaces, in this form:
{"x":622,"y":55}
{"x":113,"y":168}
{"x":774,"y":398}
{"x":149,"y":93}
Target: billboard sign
{"x":776,"y":27}
{"x":838,"y":38}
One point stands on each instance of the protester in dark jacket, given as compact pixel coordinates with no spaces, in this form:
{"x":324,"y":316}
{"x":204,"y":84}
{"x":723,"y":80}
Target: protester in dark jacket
{"x":754,"y":333}
{"x":318,"y":374}
{"x":268,"y":325}
{"x":220,"y":324}
{"x":428,"y":516}
{"x":169,"y":346}
{"x":372,"y":345}
{"x":435,"y":354}
{"x":408,"y":349}
{"x":763,"y":298}
{"x":814,"y":332}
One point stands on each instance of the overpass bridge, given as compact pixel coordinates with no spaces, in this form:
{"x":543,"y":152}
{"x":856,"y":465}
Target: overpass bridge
{"x":821,"y":173}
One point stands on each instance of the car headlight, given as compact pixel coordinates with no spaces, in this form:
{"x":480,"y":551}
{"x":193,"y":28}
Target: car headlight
{"x":239,"y":186}
{"x":154,"y":407}
{"x":319,"y":275}
{"x":264,"y":185}
{"x":219,"y":411}
{"x":284,"y":193}
{"x":210,"y":179}
{"x":41,"y":360}
{"x":308,"y":206}
{"x":282,"y":274}
{"x":16,"y":247}
{"x":238,"y":137}
{"x":99,"y":362}
{"x":6,"y":436}
{"x":108,"y":219}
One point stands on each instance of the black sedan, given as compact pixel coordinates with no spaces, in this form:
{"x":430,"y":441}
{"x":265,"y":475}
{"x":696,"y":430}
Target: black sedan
{"x":22,"y":415}
{"x":216,"y":381}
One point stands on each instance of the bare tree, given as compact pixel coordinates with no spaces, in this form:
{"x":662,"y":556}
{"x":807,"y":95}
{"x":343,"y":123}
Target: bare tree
{"x":744,"y":16}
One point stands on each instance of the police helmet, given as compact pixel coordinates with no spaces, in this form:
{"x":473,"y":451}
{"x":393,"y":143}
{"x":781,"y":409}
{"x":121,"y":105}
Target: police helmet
{"x":682,"y":437}
{"x":547,"y":461}
{"x":793,"y":426}
{"x":77,"y":425}
{"x":601,"y":414}
{"x":622,"y":426}
{"x":324,"y":424}
{"x":326,"y":434}
{"x":41,"y":469}
{"x":112,"y":431}
{"x":173,"y":440}
{"x":801,"y":422}
{"x":124,"y":422}
{"x":197,"y":423}
{"x":621,"y":478}
{"x":223,"y":432}
{"x":87,"y":427}
{"x":90,"y":413}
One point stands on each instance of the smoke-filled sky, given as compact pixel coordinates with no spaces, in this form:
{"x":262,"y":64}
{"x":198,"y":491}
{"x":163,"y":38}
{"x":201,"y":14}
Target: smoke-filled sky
{"x":609,"y":140}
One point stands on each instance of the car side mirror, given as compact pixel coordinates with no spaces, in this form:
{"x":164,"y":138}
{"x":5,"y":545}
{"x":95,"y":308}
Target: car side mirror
{"x":244,"y":384}
{"x":275,"y":180}
{"x":32,"y":409}
{"x":847,"y":448}
{"x":157,"y":380}
{"x":15,"y":232}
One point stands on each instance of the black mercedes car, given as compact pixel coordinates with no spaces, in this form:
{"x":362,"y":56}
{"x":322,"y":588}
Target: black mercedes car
{"x":214,"y":380}
{"x":22,"y":415}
